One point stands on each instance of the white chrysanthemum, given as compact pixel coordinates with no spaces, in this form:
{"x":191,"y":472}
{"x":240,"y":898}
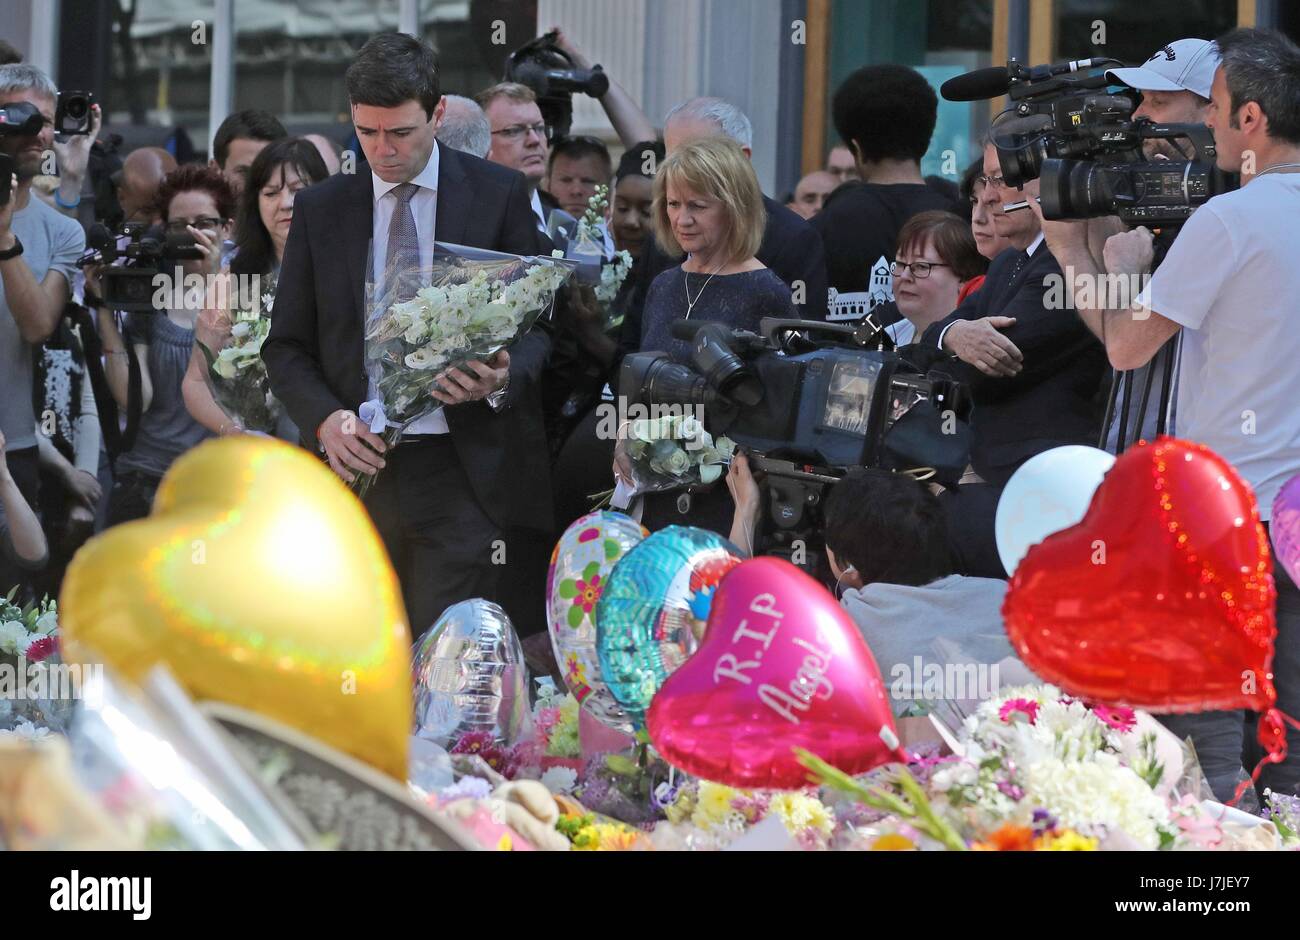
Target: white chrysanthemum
{"x":560,"y":779}
{"x":421,"y":359}
{"x":14,"y":638}
{"x":1101,"y":793}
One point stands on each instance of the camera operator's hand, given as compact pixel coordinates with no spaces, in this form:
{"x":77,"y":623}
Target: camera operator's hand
{"x":1065,"y":237}
{"x":748,"y":499}
{"x":350,"y":445}
{"x":74,"y":155}
{"x":1129,"y":252}
{"x":978,"y":343}
{"x":622,"y":462}
{"x":210,"y":246}
{"x":570,"y":48}
{"x":7,"y":215}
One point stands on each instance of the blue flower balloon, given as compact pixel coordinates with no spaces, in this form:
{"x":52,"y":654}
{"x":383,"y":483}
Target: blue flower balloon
{"x":651,"y":614}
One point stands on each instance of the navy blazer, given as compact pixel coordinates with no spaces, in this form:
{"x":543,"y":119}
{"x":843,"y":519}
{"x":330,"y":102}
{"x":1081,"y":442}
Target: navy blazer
{"x":1054,"y":400}
{"x":314,"y":353}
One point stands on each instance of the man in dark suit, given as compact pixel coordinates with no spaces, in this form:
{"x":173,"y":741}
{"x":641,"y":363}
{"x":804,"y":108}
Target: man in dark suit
{"x":1034,"y":371}
{"x":791,"y":247}
{"x":460,"y":479}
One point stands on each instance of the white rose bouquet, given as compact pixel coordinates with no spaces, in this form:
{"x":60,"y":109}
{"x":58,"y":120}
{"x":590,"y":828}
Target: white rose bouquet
{"x":471,"y":304}
{"x":674,"y":452}
{"x":236,"y":373}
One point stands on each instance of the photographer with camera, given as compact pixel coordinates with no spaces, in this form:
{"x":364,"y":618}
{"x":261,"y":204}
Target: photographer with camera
{"x":1175,"y":84}
{"x":1229,"y":285}
{"x":39,"y":249}
{"x":194,"y":200}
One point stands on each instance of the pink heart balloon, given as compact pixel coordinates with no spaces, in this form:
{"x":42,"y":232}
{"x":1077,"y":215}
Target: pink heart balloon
{"x":781,"y":666}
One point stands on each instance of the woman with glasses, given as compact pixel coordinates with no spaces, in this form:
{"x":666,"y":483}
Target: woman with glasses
{"x":194,"y":201}
{"x":935,"y":262}
{"x":280,"y":171}
{"x":982,"y":211}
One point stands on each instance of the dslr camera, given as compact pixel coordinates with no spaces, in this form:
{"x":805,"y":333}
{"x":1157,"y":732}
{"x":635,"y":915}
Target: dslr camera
{"x":134,"y":256}
{"x":1065,"y":128}
{"x":809,"y":402}
{"x":72,"y":113}
{"x":545,"y":68}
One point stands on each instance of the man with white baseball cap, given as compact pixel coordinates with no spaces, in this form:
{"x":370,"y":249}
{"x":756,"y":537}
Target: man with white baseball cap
{"x":1175,"y":85}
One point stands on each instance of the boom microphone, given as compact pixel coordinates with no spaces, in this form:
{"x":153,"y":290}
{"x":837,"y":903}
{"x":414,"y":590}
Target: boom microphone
{"x":977,"y":85}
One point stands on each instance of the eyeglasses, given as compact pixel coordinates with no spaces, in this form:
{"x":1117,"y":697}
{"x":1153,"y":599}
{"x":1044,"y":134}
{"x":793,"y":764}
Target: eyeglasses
{"x":920,"y":269}
{"x":205,"y":223}
{"x":997,"y":181}
{"x":517,"y":131}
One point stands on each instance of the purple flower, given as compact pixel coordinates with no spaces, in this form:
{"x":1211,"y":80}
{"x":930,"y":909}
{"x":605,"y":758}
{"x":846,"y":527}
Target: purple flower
{"x":1010,"y":789}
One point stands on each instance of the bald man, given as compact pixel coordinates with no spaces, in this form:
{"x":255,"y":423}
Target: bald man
{"x":329,"y":151}
{"x":142,"y":173}
{"x":810,"y":195}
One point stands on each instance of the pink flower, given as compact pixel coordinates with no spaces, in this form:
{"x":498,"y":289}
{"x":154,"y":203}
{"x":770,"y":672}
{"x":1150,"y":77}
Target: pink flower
{"x":588,"y":593}
{"x":1121,"y":719}
{"x":1027,"y":707}
{"x":42,"y":648}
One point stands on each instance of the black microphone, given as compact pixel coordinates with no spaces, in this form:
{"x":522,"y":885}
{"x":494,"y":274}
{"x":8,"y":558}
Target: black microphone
{"x":977,"y":85}
{"x":100,"y":238}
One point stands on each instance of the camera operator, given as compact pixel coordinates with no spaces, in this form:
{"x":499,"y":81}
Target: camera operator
{"x":1230,"y":284}
{"x":143,"y":172}
{"x":1175,"y":84}
{"x":39,"y":249}
{"x":196,"y":200}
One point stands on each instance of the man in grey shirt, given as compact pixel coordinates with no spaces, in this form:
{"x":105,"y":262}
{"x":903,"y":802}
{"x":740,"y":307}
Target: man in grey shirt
{"x":38,"y":253}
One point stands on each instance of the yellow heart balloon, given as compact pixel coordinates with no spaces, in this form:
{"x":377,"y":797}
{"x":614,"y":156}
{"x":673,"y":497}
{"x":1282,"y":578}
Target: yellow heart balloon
{"x":259,"y":581}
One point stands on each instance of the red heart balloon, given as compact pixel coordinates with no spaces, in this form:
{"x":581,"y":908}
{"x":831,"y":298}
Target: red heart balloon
{"x":781,"y":666}
{"x":1162,"y":597}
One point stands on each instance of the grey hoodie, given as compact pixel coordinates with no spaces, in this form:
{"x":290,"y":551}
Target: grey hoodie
{"x":942,"y":644}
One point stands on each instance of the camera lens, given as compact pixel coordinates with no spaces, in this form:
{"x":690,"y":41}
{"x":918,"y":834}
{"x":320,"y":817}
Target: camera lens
{"x":76,"y":108}
{"x":1079,"y":189}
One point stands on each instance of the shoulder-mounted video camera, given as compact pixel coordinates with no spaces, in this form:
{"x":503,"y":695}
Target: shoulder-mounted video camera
{"x":133,"y":256}
{"x":809,"y":402}
{"x":547,"y":69}
{"x":1066,"y":129}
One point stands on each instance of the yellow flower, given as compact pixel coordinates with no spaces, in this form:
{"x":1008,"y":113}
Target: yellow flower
{"x":713,"y":804}
{"x":505,"y":843}
{"x":1066,"y":841}
{"x":800,"y":812}
{"x":892,"y":842}
{"x":616,"y":838}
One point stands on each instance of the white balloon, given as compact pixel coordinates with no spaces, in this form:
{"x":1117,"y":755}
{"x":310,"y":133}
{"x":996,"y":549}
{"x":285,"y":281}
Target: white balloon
{"x":1050,"y":492}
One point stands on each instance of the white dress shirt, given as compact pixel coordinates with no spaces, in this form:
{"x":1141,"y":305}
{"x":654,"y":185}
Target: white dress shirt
{"x":424,"y":207}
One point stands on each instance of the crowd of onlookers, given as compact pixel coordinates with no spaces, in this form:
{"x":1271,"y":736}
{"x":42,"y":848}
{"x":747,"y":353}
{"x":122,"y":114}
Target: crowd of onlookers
{"x":95,"y":405}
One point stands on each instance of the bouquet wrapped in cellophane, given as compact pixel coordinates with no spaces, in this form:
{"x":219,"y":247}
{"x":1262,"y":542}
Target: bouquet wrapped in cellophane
{"x":585,"y":239}
{"x":468,"y":305}
{"x":231,"y":342}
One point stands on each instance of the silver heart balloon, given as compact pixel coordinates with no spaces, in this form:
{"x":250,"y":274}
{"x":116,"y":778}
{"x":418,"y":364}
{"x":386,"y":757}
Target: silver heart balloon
{"x":470,"y":676}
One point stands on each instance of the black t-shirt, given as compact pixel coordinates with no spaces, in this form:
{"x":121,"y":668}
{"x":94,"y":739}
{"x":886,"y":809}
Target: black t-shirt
{"x":859,"y":225}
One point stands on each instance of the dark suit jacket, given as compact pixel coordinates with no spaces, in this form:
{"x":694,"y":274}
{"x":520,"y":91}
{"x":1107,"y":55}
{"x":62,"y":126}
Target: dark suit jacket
{"x":791,"y":248}
{"x":314,"y":353}
{"x":1053,"y":401}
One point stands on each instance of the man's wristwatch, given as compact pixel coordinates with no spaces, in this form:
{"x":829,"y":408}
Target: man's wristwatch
{"x":497,"y":400}
{"x":13,"y":252}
